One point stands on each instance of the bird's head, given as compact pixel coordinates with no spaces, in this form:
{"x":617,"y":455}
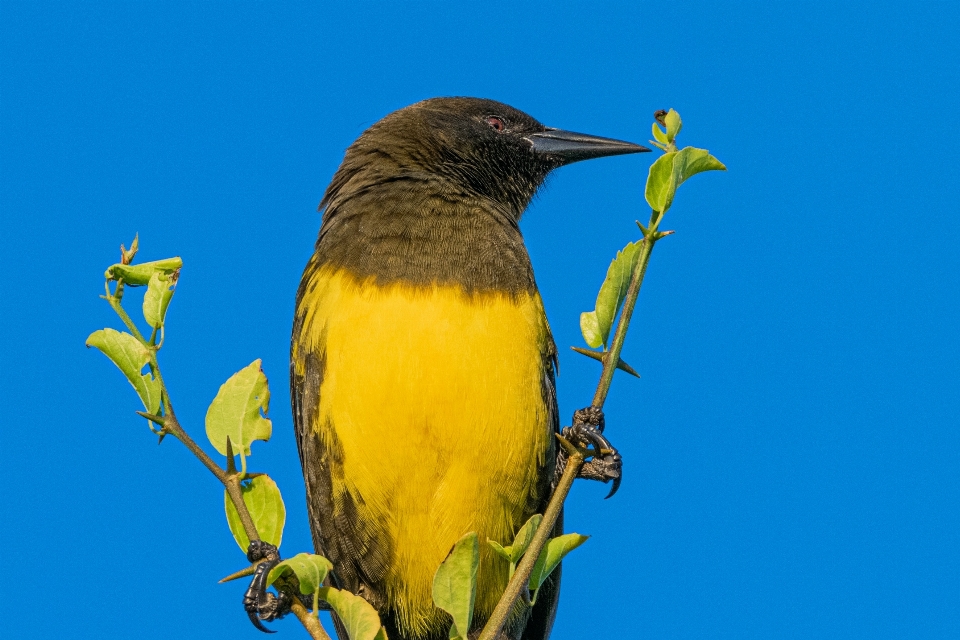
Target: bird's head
{"x":470,"y":146}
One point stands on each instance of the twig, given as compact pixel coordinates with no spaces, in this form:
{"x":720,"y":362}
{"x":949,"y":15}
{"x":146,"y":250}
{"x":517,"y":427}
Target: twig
{"x":230,"y":478}
{"x":521,"y":577}
{"x":309,"y":621}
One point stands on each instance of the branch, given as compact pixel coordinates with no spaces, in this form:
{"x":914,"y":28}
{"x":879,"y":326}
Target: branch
{"x":521,"y":577}
{"x":310,"y":621}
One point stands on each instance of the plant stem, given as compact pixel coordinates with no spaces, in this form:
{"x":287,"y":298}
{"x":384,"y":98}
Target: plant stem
{"x":521,"y":577}
{"x":230,"y":481}
{"x":612,"y":356}
{"x":309,"y":621}
{"x":120,"y":311}
{"x":230,"y":478}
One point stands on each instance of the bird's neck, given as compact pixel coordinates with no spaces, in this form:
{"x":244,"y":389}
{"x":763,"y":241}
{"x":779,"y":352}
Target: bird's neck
{"x":423,"y":235}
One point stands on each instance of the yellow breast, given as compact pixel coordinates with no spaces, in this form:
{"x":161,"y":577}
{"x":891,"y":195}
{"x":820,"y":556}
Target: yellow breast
{"x":436,"y":399}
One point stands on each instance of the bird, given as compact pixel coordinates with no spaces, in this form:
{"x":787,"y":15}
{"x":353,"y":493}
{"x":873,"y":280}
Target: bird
{"x":422,"y":364}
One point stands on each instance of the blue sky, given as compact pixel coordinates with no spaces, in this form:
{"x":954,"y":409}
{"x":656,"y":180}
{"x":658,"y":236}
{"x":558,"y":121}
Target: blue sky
{"x":792,"y":455}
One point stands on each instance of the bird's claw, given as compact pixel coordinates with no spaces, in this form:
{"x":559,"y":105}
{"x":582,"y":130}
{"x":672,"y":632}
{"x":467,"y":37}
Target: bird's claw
{"x":259,"y":603}
{"x":606,"y":463}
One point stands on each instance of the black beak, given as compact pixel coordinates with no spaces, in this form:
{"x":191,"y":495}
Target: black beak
{"x":565,"y":147}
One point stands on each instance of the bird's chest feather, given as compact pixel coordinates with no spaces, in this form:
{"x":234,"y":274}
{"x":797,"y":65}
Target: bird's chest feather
{"x":437,"y":402}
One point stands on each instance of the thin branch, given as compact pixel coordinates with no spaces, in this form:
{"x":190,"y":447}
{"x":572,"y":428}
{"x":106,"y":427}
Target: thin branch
{"x":120,"y":311}
{"x":520,"y":579}
{"x":309,"y":621}
{"x":229,"y":478}
{"x":650,"y":237}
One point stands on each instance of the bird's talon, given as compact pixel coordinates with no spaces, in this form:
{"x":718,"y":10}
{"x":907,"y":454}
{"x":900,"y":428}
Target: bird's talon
{"x":259,"y":603}
{"x":605,"y":463}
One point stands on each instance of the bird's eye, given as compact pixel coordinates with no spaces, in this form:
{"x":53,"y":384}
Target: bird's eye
{"x":496,"y":123}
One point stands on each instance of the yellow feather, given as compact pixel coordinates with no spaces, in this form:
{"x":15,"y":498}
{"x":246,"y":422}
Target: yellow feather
{"x":436,"y":399}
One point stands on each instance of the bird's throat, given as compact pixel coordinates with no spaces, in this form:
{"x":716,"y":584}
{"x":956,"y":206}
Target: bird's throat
{"x":455,"y":240}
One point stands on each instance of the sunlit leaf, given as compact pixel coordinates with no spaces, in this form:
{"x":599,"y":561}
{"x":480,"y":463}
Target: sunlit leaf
{"x":660,"y":183}
{"x":157,"y":298}
{"x":673,"y":124}
{"x":502,"y":551}
{"x":455,"y":584}
{"x":523,"y":538}
{"x":590,"y":328}
{"x":130,"y":356}
{"x":551,"y":555}
{"x":358,"y":616}
{"x":521,"y":541}
{"x":659,"y":135}
{"x":614,"y":289}
{"x":671,"y":170}
{"x":691,"y":161}
{"x":235,"y":412}
{"x":263,"y":500}
{"x":310,"y":569}
{"x":138,"y":275}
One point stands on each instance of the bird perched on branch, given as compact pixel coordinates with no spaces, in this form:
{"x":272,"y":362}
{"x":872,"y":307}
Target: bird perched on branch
{"x":422,"y":364}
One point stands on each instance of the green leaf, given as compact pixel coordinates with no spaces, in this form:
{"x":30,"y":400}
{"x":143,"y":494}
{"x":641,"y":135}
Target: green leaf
{"x":500,"y":549}
{"x":672,"y":169}
{"x":673,"y":123}
{"x":157,"y":298}
{"x":455,"y":584}
{"x":615,"y":286}
{"x":523,"y":538}
{"x":590,"y":328}
{"x":551,"y":556}
{"x":310,"y":569}
{"x":358,"y":616}
{"x":691,"y":161}
{"x":659,"y":135}
{"x":235,"y":412}
{"x":130,"y":356}
{"x":660,"y":183}
{"x":138,"y":275}
{"x":521,"y":541}
{"x":262,"y":497}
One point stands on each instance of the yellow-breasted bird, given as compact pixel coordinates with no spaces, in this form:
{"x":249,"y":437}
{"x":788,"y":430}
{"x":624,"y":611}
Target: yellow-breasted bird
{"x":422,"y":364}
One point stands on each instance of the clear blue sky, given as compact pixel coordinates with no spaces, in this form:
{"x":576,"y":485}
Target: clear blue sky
{"x":792,"y":452}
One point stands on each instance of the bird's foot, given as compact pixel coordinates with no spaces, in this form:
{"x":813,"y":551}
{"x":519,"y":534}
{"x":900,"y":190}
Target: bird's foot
{"x":605,"y":463}
{"x":259,"y":603}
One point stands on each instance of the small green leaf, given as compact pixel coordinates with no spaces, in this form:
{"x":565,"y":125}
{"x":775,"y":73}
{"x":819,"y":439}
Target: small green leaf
{"x":235,"y":412}
{"x":455,"y":583}
{"x":358,"y":616}
{"x":691,"y":161}
{"x":551,"y":556}
{"x":615,"y":285}
{"x":310,"y":569}
{"x":157,"y":298}
{"x":671,"y":170}
{"x":500,"y":549}
{"x":521,"y":541}
{"x":590,"y":328}
{"x":660,"y":183}
{"x":138,"y":275}
{"x":673,"y":123}
{"x":263,"y":500}
{"x":130,"y":356}
{"x":659,"y":135}
{"x":524,"y":537}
